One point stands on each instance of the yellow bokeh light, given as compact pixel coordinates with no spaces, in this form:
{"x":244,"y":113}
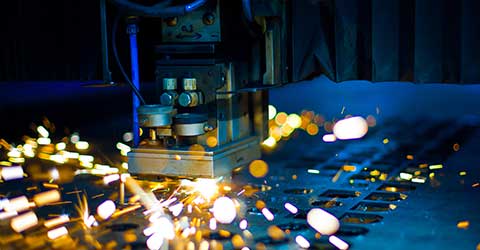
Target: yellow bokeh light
{"x":212,"y":141}
{"x":61,"y":146}
{"x":270,"y":142}
{"x":276,"y":133}
{"x":42,"y":131}
{"x":258,"y":168}
{"x":281,"y":118}
{"x":294,"y":121}
{"x":82,"y":145}
{"x":287,"y":130}
{"x":272,"y":112}
{"x":312,"y":129}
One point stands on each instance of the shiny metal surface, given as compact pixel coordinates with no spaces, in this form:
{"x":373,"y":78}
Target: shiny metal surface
{"x":194,"y":162}
{"x":155,"y":115}
{"x":193,"y":129}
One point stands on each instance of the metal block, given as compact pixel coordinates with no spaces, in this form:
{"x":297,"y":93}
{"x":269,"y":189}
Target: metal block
{"x":194,"y":163}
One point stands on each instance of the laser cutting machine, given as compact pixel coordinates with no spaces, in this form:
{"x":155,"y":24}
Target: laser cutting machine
{"x":212,"y":72}
{"x":215,"y":61}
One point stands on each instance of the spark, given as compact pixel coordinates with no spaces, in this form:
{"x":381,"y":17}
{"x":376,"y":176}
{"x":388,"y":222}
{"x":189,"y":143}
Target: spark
{"x":213,"y":224}
{"x":329,"y":138}
{"x":124,"y":149}
{"x":337,"y":175}
{"x":85,"y":158}
{"x":436,"y":166}
{"x":207,"y":188}
{"x":176,"y":209}
{"x":56,"y":221}
{"x":204,"y":245}
{"x":83,"y":211}
{"x":275,"y":233}
{"x":270,"y":142}
{"x":302,"y":242}
{"x":322,"y":221}
{"x":238,"y":241}
{"x":313,"y":171}
{"x":125,"y":211}
{"x":125,"y":165}
{"x":12,"y":173}
{"x":110,"y":178}
{"x":57,"y":233}
{"x":419,"y":179}
{"x":61,"y":146}
{"x":243,"y":224}
{"x":268,"y":215}
{"x":90,"y":221}
{"x":14,"y":153}
{"x":54,"y":174}
{"x":406,"y":176}
{"x":6,"y":215}
{"x":24,"y":222}
{"x":106,"y":209}
{"x":463,"y":224}
{"x":349,"y":168}
{"x":82,"y":145}
{"x":57,"y":158}
{"x":17,"y":204}
{"x":291,"y":208}
{"x":44,"y":141}
{"x":47,"y":197}
{"x":224,"y":210}
{"x":147,"y":199}
{"x":42,"y":131}
{"x":337,"y":242}
{"x":98,"y":196}
{"x":350,"y":128}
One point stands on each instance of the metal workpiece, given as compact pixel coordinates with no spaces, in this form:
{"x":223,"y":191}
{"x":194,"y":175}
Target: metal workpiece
{"x":194,"y":162}
{"x":151,"y":116}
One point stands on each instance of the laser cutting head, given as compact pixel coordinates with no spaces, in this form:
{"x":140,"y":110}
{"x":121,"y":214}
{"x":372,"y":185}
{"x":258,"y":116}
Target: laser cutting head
{"x":210,"y":112}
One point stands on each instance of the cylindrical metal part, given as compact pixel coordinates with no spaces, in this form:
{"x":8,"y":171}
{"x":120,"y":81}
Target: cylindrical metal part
{"x":189,"y":84}
{"x":169,"y":83}
{"x":188,"y":99}
{"x":193,"y":129}
{"x":188,"y":124}
{"x":168,"y":98}
{"x":155,"y":115}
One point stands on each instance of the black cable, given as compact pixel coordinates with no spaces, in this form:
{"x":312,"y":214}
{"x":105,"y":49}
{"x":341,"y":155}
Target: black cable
{"x":119,"y":64}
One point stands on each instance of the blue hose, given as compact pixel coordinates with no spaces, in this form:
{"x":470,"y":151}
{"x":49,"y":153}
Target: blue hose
{"x":195,"y":5}
{"x":247,"y":10}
